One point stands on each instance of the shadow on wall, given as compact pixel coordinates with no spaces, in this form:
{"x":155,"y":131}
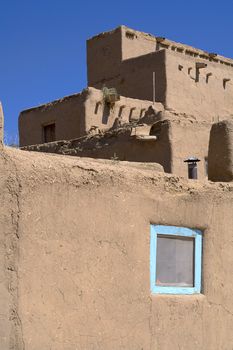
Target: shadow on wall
{"x":220,"y":155}
{"x":106,"y":113}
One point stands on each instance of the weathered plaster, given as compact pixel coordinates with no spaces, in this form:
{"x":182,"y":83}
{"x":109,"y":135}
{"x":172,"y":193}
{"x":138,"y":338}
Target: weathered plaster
{"x":76,"y":115}
{"x":176,"y":139}
{"x":220,"y":155}
{"x":179,"y":84}
{"x":10,"y":322}
{"x":85,"y":283}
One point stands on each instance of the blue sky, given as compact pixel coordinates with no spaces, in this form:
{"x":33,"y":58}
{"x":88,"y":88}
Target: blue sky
{"x":43,"y":49}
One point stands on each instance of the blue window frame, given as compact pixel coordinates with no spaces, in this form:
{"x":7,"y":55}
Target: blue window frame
{"x":175,"y":260}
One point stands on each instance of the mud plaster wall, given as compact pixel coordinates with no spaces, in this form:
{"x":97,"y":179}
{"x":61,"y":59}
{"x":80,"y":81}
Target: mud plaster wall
{"x":129,"y":63}
{"x":207,"y":98}
{"x":109,"y":50}
{"x":102,"y":115}
{"x":135,"y":43}
{"x":221,"y":151}
{"x":127,"y":148}
{"x":104,"y":57}
{"x":176,"y":141}
{"x":83,"y":283}
{"x":10,"y":322}
{"x":75,"y":115}
{"x":121,"y":145}
{"x":189,"y":139}
{"x":68,"y":114}
{"x":137,"y":77}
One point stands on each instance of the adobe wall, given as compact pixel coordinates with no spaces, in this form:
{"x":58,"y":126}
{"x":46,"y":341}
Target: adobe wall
{"x":76,"y":115}
{"x":189,"y":139}
{"x":124,"y":144}
{"x":204,"y":93}
{"x":68,"y":114}
{"x":108,"y":50}
{"x":98,"y":113}
{"x":220,"y":165}
{"x":10,"y":323}
{"x":205,"y":96}
{"x":176,"y":139}
{"x":137,"y":77}
{"x":127,"y":146}
{"x":83,"y":283}
{"x":104,"y":56}
{"x":135,"y":43}
{"x":110,"y":62}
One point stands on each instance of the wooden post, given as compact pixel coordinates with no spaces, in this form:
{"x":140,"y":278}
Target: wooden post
{"x":153,"y":88}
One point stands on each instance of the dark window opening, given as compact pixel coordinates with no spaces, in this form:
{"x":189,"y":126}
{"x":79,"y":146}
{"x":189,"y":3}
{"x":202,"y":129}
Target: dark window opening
{"x":120,"y":111}
{"x":192,"y":167}
{"x":130,"y":35}
{"x":49,"y":133}
{"x":97,"y":107}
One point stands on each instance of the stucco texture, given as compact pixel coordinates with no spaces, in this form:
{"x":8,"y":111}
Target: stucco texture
{"x":75,"y":243}
{"x":205,"y":96}
{"x":76,"y":115}
{"x":130,"y":58}
{"x":220,"y":155}
{"x":176,"y":139}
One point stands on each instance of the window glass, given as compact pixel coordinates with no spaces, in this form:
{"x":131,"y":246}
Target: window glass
{"x":175,"y":261}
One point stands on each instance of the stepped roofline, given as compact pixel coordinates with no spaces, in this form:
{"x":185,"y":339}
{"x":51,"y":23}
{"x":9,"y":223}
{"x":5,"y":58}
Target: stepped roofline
{"x":170,"y":44}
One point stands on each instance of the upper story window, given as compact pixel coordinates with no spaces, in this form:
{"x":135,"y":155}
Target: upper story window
{"x":175,"y":260}
{"x":49,"y":134}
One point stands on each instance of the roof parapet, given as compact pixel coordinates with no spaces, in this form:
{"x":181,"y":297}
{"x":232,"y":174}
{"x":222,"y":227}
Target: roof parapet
{"x":174,"y":46}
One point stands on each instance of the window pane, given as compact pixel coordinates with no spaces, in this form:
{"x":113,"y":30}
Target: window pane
{"x":175,"y":261}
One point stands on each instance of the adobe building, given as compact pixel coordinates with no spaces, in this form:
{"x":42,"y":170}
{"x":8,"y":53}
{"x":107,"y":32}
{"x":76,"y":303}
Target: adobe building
{"x":116,"y":253}
{"x":167,"y":142}
{"x":186,"y":79}
{"x":106,"y":254}
{"x":76,"y":115}
{"x":148,"y":99}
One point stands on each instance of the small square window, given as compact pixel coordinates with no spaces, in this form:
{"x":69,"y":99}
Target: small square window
{"x":175,"y":261}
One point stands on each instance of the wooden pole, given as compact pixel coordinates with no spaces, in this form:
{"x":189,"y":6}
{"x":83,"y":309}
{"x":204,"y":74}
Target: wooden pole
{"x":153,"y":88}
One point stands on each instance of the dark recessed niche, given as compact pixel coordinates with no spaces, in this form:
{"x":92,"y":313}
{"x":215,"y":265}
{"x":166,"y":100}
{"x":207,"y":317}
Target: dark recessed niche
{"x":49,"y":134}
{"x":130,"y":35}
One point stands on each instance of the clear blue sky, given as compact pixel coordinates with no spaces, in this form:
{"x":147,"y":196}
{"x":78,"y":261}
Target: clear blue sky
{"x":43,"y":49}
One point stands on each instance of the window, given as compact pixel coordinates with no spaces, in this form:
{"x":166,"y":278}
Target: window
{"x":49,"y":133}
{"x":175,"y":260}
